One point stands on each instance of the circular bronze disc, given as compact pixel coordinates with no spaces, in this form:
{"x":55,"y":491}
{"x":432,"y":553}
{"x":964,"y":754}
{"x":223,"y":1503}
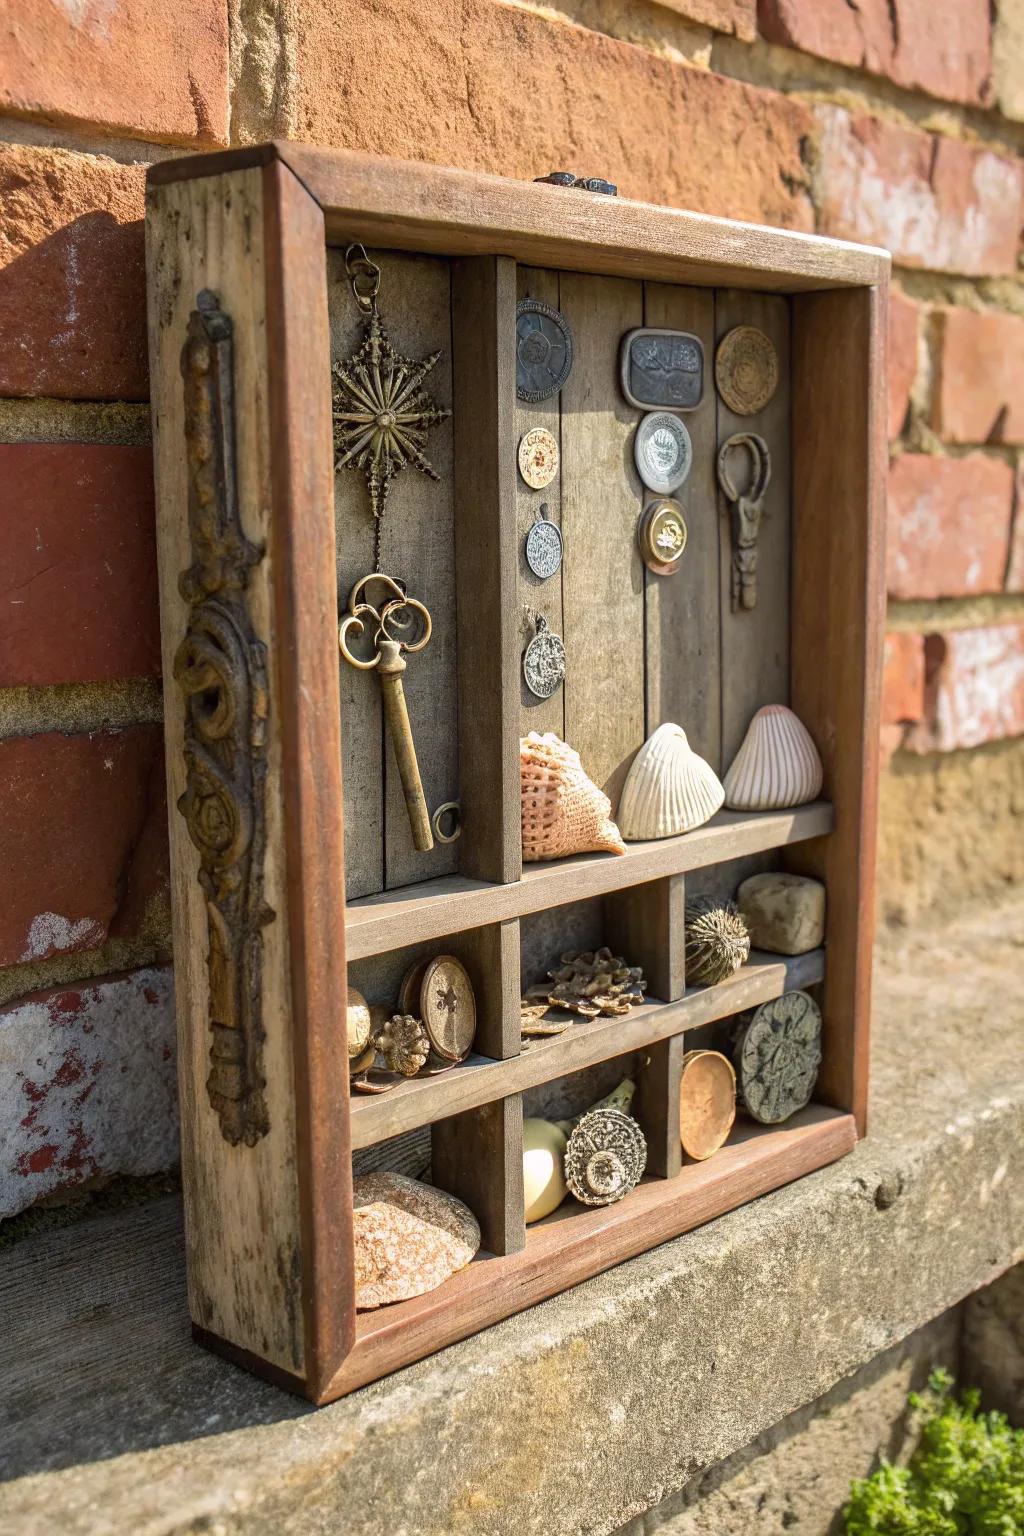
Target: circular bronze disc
{"x":662,"y":536}
{"x":409,"y":991}
{"x":746,"y":369}
{"x":707,"y":1103}
{"x":358,"y":1018}
{"x":448,"y":1007}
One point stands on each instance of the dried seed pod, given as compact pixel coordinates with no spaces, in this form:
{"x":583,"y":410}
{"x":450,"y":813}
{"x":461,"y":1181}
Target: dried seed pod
{"x":403,"y":1044}
{"x":717,"y":941}
{"x":593,"y":982}
{"x":605,"y":1158}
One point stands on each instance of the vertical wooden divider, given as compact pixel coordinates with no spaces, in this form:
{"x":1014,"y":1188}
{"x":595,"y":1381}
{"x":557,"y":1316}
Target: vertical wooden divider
{"x":478,"y":1156}
{"x":645,"y":924}
{"x":483,"y":406}
{"x":839,"y":464}
{"x":491,"y":955}
{"x":657,"y":1105}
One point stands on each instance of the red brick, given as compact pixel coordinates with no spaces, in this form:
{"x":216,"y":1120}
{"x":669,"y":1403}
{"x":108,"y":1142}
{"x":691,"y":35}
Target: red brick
{"x":87,"y":1086}
{"x":949,"y":525}
{"x":72,"y":276}
{"x":934,"y":202}
{"x":130,"y":66}
{"x":950,"y":57}
{"x":903,"y":680}
{"x":736,"y":16}
{"x":974,"y":689}
{"x":83,"y":829}
{"x":903,"y":315}
{"x":85,"y":550}
{"x":979,"y":395}
{"x":498,"y":88}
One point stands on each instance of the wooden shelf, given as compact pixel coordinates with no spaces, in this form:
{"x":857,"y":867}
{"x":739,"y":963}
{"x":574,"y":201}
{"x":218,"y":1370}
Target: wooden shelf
{"x":480,"y":1080}
{"x":586,"y":1241}
{"x":431,"y":910}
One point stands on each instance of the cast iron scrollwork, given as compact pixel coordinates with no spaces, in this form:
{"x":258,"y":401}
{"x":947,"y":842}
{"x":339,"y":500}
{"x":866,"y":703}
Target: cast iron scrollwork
{"x":222,"y":671}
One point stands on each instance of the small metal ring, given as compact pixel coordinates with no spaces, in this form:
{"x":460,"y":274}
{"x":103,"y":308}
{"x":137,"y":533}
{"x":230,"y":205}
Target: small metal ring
{"x":453,"y":809}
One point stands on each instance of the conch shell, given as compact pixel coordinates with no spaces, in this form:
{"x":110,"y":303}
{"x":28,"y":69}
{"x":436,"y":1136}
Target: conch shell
{"x":563,"y":811}
{"x":668,"y":789}
{"x":776,"y":767}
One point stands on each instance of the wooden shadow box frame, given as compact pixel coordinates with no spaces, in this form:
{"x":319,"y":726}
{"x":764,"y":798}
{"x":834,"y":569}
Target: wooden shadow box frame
{"x":267,"y":1164}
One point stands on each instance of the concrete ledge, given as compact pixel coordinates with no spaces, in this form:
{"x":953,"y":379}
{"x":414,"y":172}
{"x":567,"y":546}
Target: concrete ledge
{"x":588,"y":1411}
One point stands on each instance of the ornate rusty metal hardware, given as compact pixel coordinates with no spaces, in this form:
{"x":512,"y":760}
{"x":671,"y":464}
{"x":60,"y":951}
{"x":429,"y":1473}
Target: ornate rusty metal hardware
{"x":381,"y":411}
{"x":221,"y":669}
{"x":397,"y":617}
{"x":580,"y":183}
{"x":747,"y":507}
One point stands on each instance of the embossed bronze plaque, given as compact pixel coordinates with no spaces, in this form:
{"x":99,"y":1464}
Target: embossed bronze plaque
{"x":662,"y":369}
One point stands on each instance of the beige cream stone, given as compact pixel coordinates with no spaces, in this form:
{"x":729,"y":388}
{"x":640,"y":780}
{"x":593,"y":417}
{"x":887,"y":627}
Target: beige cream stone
{"x":784,"y":913}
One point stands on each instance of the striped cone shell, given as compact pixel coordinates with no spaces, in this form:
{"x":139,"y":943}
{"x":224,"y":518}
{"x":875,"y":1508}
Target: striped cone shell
{"x":776,"y":767}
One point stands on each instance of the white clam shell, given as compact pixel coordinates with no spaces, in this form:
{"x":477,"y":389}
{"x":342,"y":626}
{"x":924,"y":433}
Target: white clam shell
{"x":668,"y":789}
{"x":776,"y":767}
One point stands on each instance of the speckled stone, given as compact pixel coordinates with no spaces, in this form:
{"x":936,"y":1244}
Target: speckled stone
{"x":784,"y":913}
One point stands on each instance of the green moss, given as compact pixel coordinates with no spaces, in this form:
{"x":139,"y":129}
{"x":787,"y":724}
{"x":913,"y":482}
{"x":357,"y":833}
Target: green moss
{"x":966,"y":1477}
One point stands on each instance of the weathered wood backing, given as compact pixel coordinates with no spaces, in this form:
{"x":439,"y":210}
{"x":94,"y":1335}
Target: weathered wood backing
{"x":418,"y":546}
{"x":483,"y":310}
{"x":683,"y":629}
{"x":242,"y":1204}
{"x":839,"y":464}
{"x":755,"y":642}
{"x":542,"y":597}
{"x":602,"y":584}
{"x":436,"y":208}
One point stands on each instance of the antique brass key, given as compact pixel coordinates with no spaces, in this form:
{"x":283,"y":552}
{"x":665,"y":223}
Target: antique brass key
{"x":397,"y":616}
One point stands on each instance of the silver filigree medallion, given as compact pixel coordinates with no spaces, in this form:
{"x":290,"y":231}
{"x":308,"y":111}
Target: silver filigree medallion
{"x":544,"y":545}
{"x":544,"y":661}
{"x":663,"y":452}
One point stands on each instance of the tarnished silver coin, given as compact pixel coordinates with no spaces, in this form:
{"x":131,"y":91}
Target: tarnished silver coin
{"x":544,"y":662}
{"x":543,"y":350}
{"x":544,"y":545}
{"x":663,"y":452}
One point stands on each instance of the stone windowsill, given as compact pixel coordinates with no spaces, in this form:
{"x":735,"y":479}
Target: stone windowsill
{"x":588,"y":1410}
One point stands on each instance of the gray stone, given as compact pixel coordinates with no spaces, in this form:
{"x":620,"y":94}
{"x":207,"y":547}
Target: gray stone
{"x":586,"y":1412}
{"x":993,"y":1344}
{"x":784,"y":913}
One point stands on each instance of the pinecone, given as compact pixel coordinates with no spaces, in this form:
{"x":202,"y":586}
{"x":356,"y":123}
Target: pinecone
{"x":717,"y":941}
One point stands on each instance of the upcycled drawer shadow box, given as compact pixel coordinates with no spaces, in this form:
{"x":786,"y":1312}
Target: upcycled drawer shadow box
{"x":309,"y":307}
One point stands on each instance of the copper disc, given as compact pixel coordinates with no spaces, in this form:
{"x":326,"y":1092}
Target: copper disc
{"x":409,"y":991}
{"x":707,"y":1103}
{"x":448,"y":1007}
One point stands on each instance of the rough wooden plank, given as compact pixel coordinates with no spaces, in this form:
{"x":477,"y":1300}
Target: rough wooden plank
{"x":491,"y":955}
{"x":576,"y":1243}
{"x":657,"y":1105}
{"x":478,"y":1156}
{"x":755,"y":642}
{"x":646,"y":924}
{"x":682,"y":621}
{"x":483,"y":309}
{"x":480,"y":1080}
{"x":837,"y":646}
{"x":454,"y":904}
{"x":541,"y":597}
{"x":602,"y":584}
{"x":242,"y":1286}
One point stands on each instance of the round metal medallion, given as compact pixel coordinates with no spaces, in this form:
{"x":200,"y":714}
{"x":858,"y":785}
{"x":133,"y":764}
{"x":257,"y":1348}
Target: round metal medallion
{"x":544,"y":545}
{"x":777,"y":1057}
{"x":662,"y":536}
{"x":544,"y":662}
{"x":543,"y":350}
{"x":746,"y":369}
{"x":663,"y":452}
{"x":449,"y":1007}
{"x":538,"y":458}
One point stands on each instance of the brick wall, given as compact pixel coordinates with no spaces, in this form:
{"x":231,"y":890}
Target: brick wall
{"x":880,"y":121}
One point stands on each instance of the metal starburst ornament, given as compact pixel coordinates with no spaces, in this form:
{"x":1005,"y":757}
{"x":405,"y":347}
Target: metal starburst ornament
{"x":381,"y":411}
